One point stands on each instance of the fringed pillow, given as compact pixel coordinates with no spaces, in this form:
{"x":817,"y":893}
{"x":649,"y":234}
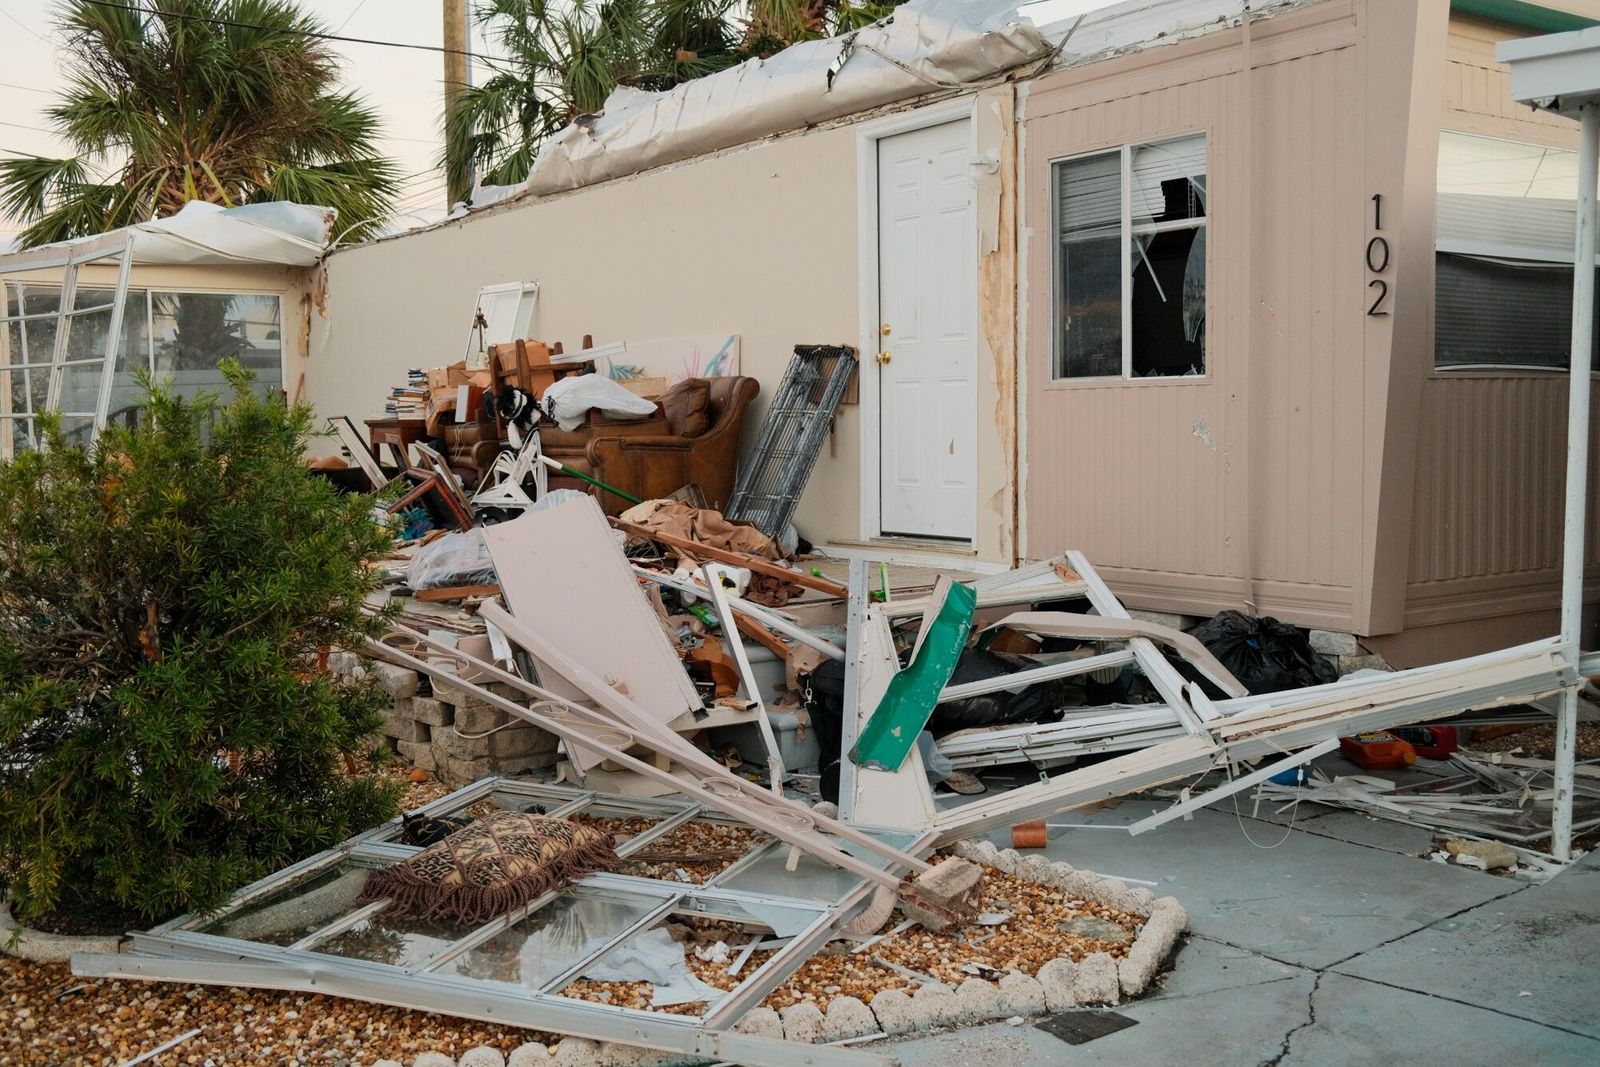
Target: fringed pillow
{"x":494,"y":865}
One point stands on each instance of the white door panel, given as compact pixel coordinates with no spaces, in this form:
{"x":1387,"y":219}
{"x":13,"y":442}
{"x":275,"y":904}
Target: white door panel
{"x":927,"y":296}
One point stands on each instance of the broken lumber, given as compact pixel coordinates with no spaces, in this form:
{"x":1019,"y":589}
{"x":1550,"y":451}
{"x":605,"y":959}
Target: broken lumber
{"x":699,"y":551}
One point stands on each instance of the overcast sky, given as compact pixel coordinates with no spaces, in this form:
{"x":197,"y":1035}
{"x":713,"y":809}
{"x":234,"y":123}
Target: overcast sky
{"x":404,"y":84}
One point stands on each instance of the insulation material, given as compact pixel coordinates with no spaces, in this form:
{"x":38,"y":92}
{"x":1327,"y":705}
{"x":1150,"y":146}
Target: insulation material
{"x":924,"y":46}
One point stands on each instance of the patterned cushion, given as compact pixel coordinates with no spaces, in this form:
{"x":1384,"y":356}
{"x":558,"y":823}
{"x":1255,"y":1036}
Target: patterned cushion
{"x":494,"y":865}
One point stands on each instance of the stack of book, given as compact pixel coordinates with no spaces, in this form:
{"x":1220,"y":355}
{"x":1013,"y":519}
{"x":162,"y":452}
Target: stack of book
{"x":409,"y":401}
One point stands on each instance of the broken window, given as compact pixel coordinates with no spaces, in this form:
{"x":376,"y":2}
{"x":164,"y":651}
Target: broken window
{"x":1503,"y":261}
{"x":182,"y":337}
{"x":1130,"y":272}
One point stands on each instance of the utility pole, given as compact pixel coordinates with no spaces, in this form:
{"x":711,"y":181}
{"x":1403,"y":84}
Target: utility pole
{"x":455,"y":80}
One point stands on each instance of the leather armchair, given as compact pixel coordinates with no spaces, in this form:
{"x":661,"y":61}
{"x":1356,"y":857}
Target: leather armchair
{"x":656,"y":465}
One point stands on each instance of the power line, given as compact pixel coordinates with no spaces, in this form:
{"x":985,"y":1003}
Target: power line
{"x":25,"y":88}
{"x":24,"y":25}
{"x":353,"y":13}
{"x":20,"y":126}
{"x":304,"y":33}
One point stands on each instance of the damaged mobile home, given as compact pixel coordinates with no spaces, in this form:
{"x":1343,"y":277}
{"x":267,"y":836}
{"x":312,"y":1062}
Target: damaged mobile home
{"x":1192,"y":300}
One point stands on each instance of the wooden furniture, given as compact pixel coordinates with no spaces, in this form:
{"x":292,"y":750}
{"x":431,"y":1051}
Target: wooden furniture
{"x":398,"y":434}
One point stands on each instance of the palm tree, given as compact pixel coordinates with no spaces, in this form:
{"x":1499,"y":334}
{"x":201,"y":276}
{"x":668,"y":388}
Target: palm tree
{"x":565,"y":57}
{"x":229,"y":101}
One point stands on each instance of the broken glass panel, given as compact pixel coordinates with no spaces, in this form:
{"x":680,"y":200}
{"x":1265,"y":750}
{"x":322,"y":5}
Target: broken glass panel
{"x":295,"y":910}
{"x":539,"y":948}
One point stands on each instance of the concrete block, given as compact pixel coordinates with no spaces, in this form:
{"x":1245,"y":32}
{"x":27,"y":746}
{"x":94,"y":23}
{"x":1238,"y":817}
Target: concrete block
{"x":432,"y":711}
{"x":951,"y":886}
{"x":1334,"y":643}
{"x":760,"y":1022}
{"x":448,"y":739}
{"x":522,"y":742}
{"x":978,"y":1000}
{"x":893,"y":1010}
{"x":404,"y":728}
{"x":418,"y":754}
{"x":460,"y":772}
{"x":847,"y":1017}
{"x":1058,"y":977}
{"x":433,"y":1059}
{"x":1021,"y":994}
{"x":533,"y":1054}
{"x":398,"y":682}
{"x":802,"y":1022}
{"x":479,"y":718}
{"x":576,"y":1052}
{"x":482,"y":1056}
{"x":1096,"y":980}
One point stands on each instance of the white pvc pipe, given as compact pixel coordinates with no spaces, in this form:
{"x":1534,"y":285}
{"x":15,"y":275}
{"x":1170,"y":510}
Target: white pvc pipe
{"x":1577,"y":472}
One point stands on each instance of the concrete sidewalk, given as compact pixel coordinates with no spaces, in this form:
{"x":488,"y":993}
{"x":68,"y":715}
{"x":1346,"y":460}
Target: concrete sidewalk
{"x":1328,"y":941}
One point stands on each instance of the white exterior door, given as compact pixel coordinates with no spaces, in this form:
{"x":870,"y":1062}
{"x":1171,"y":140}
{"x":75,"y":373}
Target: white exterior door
{"x":927,"y":362}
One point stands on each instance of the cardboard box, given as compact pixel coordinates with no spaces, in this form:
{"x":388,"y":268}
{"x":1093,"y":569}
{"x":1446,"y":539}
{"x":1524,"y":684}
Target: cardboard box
{"x":648,"y":388}
{"x":456,"y":374}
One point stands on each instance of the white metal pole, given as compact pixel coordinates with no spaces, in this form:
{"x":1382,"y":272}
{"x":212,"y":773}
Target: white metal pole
{"x":1577,"y":472}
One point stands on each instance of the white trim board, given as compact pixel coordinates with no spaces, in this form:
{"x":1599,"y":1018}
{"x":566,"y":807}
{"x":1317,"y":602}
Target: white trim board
{"x":867,"y":136}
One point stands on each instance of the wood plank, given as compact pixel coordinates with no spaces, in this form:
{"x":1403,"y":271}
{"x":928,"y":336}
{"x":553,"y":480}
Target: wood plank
{"x":738,"y":559}
{"x":455,"y":592}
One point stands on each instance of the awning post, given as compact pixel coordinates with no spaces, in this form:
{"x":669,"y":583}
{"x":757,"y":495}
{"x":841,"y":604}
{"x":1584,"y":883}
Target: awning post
{"x":1577,"y":472}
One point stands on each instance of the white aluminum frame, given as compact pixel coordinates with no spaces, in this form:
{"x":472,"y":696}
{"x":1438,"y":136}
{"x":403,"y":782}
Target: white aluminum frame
{"x":180,"y":950}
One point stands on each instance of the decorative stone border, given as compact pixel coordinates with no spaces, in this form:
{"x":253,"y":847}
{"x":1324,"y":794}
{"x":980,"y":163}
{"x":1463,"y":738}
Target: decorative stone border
{"x":40,"y":947}
{"x":1060,"y":984}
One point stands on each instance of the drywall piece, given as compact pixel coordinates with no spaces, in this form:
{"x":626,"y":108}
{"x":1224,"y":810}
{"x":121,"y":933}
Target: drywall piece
{"x":908,"y":701}
{"x":563,"y":576}
{"x":899,"y":798}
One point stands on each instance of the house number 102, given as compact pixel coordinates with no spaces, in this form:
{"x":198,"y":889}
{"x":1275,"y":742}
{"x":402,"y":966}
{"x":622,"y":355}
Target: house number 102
{"x":1378,"y":258}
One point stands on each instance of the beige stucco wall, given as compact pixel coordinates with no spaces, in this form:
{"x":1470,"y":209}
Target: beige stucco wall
{"x":759,"y":241}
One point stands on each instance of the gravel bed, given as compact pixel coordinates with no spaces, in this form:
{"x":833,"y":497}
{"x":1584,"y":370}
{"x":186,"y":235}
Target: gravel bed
{"x":51,"y":1019}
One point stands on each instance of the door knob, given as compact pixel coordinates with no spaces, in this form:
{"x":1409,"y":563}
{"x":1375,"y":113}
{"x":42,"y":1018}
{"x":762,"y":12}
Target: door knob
{"x":884,"y":329}
{"x":884,"y":357}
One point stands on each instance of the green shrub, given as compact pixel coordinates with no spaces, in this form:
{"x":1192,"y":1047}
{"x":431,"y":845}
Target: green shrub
{"x":165,"y":733}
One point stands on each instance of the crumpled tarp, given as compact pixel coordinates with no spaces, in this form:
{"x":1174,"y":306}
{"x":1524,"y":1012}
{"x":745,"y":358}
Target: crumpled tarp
{"x":281,"y":233}
{"x":926,"y":45}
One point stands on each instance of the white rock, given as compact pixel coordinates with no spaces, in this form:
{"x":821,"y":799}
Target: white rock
{"x":616,"y":1054}
{"x":802,"y":1022}
{"x":893,"y":1010}
{"x":1021,"y":993}
{"x":981,"y":851}
{"x":979,"y":1000}
{"x":847,"y":1017}
{"x":1058,"y":978}
{"x":1036,"y":868}
{"x":826,"y":808}
{"x":1140,"y":900}
{"x":1096,"y":981}
{"x":1334,"y":643}
{"x":1006,"y":860}
{"x":388,"y":1063}
{"x":482,"y":1056}
{"x":433,"y":1059}
{"x":533,"y":1054}
{"x":1171,"y":908}
{"x":760,"y":1022}
{"x":937,"y":1005}
{"x":576,"y":1052}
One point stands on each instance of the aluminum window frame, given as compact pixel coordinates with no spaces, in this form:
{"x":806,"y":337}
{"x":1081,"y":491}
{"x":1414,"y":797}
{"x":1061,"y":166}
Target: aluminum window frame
{"x":1128,"y":230}
{"x":181,"y":950}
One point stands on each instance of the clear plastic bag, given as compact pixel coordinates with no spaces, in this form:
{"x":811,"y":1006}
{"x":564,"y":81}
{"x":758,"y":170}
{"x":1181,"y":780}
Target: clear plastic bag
{"x":454,"y":559}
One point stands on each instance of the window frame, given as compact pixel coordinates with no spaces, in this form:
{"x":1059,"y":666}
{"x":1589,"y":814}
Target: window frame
{"x":1490,"y":250}
{"x":1128,"y":230}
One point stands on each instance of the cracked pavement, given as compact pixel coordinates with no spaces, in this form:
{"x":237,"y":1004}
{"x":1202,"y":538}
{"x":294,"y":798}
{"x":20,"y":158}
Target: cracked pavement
{"x":1320,"y":938}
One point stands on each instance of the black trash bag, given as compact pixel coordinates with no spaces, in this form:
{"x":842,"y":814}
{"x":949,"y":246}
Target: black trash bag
{"x":1040,"y":702}
{"x":1267,"y":656}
